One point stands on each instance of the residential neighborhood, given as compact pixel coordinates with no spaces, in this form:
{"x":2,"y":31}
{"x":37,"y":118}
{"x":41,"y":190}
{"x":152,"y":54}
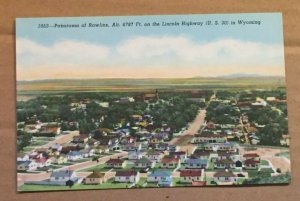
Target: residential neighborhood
{"x":153,"y":139}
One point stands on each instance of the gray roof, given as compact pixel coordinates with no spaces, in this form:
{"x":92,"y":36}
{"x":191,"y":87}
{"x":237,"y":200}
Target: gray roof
{"x":160,"y":173}
{"x":74,"y":153}
{"x":62,"y":173}
{"x":24,"y":163}
{"x":197,"y":161}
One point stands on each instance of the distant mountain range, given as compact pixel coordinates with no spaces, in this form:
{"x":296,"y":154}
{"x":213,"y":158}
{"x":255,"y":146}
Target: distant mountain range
{"x":245,"y":75}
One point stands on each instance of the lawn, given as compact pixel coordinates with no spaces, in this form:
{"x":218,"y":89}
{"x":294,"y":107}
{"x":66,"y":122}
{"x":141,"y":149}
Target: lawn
{"x":28,"y":149}
{"x":265,"y":172}
{"x":27,"y":187}
{"x":241,"y":181}
{"x":129,"y":166}
{"x":284,"y":154}
{"x":107,"y":185}
{"x":82,"y":160}
{"x":141,"y":181}
{"x":176,"y":182}
{"x":182,"y":166}
{"x":158,"y":167}
{"x":162,"y":169}
{"x":151,"y":184}
{"x":252,"y":173}
{"x":66,"y":164}
{"x":103,"y":168}
{"x":38,"y":143}
{"x":211,"y":165}
{"x":264,"y":162}
{"x":97,"y":168}
{"x":210,"y":181}
{"x":48,"y":167}
{"x":29,"y":172}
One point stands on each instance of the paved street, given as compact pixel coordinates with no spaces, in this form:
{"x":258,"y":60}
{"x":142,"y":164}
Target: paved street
{"x":62,"y":139}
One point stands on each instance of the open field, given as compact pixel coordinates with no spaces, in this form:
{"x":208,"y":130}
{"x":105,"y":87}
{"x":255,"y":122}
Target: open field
{"x":136,"y":85}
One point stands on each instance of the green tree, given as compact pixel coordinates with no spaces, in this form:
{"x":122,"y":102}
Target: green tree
{"x":271,"y":134}
{"x":24,"y":141}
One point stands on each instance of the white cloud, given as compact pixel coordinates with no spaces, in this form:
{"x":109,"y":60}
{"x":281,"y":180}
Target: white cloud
{"x":185,"y":51}
{"x":164,"y":53}
{"x":62,"y":52}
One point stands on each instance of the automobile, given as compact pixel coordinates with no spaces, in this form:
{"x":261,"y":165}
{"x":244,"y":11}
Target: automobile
{"x":144,"y":170}
{"x":50,"y":170}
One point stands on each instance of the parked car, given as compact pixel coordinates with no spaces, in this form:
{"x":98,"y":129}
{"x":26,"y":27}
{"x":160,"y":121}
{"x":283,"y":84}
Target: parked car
{"x":144,"y":170}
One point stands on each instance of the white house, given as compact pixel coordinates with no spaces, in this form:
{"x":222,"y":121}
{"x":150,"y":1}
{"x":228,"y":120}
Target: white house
{"x":115,"y":163}
{"x":225,"y":177}
{"x":271,"y":99}
{"x":26,"y":165}
{"x":57,"y":147}
{"x":62,"y":176}
{"x":225,"y":163}
{"x":87,"y":152}
{"x":228,"y":146}
{"x":127,"y":176}
{"x":209,"y":138}
{"x":131,"y":147}
{"x":102,"y":149}
{"x":253,"y":156}
{"x":197,"y":163}
{"x":22,"y":157}
{"x":251,"y":164}
{"x":180,"y":155}
{"x":285,"y":140}
{"x":126,"y":100}
{"x":103,"y":104}
{"x":170,"y":162}
{"x":43,"y":162}
{"x":158,"y":175}
{"x":59,"y":159}
{"x":135,"y":155}
{"x":144,"y":163}
{"x":188,"y":176}
{"x":154,"y":155}
{"x":74,"y":155}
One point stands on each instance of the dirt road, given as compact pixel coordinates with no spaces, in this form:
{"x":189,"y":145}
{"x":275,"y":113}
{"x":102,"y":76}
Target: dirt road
{"x":192,"y":129}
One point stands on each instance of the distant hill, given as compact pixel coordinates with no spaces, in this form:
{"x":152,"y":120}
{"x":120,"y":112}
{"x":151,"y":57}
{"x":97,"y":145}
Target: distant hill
{"x":246,"y":75}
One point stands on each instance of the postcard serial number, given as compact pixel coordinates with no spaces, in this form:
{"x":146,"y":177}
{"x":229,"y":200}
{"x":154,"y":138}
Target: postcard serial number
{"x":43,"y":26}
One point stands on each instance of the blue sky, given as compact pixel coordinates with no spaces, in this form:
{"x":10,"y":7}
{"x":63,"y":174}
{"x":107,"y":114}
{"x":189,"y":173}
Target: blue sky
{"x":113,"y":51}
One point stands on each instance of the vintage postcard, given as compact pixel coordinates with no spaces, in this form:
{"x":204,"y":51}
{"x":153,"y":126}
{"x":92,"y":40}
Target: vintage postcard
{"x":151,"y":101}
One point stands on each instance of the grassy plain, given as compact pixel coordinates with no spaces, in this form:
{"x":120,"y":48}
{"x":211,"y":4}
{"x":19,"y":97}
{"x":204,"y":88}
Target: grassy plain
{"x":136,"y":85}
